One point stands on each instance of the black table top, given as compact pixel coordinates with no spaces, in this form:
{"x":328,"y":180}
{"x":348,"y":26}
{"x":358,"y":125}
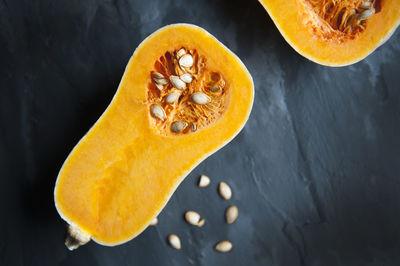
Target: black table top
{"x":315,"y":171}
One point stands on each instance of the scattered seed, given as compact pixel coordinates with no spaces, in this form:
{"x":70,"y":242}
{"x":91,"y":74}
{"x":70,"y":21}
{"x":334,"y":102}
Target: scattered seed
{"x":157,"y":111}
{"x":225,"y":191}
{"x":193,"y":127}
{"x":174,"y":241}
{"x":187,"y":78}
{"x":201,"y":222}
{"x":178,"y":126}
{"x":172,"y":97}
{"x":215,"y":88}
{"x":231,"y":214}
{"x":224,"y":246}
{"x":186,"y":61}
{"x":154,"y":221}
{"x":204,"y":181}
{"x":193,"y":218}
{"x":200,"y":98}
{"x":366,"y":14}
{"x":177,"y":82}
{"x":180,"y":53}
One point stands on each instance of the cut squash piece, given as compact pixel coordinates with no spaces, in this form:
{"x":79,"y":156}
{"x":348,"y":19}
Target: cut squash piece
{"x":182,"y":97}
{"x":332,"y":32}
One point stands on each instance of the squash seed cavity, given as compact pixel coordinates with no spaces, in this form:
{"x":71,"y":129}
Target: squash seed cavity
{"x":337,"y":20}
{"x":184,"y":95}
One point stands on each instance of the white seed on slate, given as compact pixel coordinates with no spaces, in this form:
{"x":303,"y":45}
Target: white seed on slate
{"x":200,"y":98}
{"x":201,"y":222}
{"x":178,"y":126}
{"x":174,"y":241}
{"x":204,"y":181}
{"x":225,"y":191}
{"x":154,"y":221}
{"x":193,"y":218}
{"x":186,"y":61}
{"x":157,"y":111}
{"x":224,"y":246}
{"x":172,"y":97}
{"x":177,"y":82}
{"x":180,"y":53}
{"x":231,"y":214}
{"x":187,"y":78}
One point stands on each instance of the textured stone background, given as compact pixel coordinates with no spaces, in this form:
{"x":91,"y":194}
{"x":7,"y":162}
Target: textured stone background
{"x":315,"y":172}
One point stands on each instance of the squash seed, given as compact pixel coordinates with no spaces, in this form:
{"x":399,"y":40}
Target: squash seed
{"x":177,"y":82}
{"x":225,"y":191}
{"x":178,"y":126}
{"x":187,"y":78}
{"x":180,"y":53}
{"x":186,"y":61}
{"x":204,"y":181}
{"x":157,"y":75}
{"x":172,"y":97}
{"x":231,"y":214}
{"x":366,"y":14}
{"x":193,"y":127}
{"x":224,"y":246}
{"x":174,"y":241}
{"x":215,"y":88}
{"x":154,"y":221}
{"x":160,"y":87}
{"x":200,"y":98}
{"x":366,"y":5}
{"x":157,"y":111}
{"x":193,"y":218}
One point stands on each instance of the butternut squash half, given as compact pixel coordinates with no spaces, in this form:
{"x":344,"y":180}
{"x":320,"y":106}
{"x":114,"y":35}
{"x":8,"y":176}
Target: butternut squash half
{"x":182,"y":97}
{"x":334,"y":32}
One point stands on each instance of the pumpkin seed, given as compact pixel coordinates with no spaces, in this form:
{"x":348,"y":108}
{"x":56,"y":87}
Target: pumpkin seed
{"x":193,"y":218}
{"x":215,"y":88}
{"x":157,"y":111}
{"x":366,"y":5}
{"x":366,"y":14}
{"x":204,"y":181}
{"x":225,"y":191}
{"x":187,"y":78}
{"x":154,"y":221}
{"x":200,"y":98}
{"x":157,"y":75}
{"x":231,"y":214}
{"x":159,"y":86}
{"x":186,"y":61}
{"x":193,"y":127}
{"x":180,"y":53}
{"x":177,"y":82}
{"x":178,"y":126}
{"x":224,"y":246}
{"x":174,"y":241}
{"x":172,"y":97}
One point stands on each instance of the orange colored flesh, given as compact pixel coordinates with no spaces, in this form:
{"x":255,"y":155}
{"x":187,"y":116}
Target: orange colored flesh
{"x":122,"y":173}
{"x":380,"y":26}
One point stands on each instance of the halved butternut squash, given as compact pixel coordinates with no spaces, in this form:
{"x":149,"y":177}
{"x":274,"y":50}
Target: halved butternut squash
{"x":182,"y":97}
{"x":332,"y":32}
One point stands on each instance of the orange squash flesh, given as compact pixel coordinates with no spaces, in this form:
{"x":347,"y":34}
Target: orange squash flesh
{"x":289,"y":17}
{"x":122,"y":172}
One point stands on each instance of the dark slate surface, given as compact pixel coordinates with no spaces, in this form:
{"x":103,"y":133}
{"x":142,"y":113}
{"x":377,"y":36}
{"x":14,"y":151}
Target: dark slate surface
{"x":315,"y":172}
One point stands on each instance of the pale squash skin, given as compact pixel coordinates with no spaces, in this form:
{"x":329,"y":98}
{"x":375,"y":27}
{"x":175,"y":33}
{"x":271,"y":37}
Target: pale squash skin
{"x":122,"y":173}
{"x":380,"y":27}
